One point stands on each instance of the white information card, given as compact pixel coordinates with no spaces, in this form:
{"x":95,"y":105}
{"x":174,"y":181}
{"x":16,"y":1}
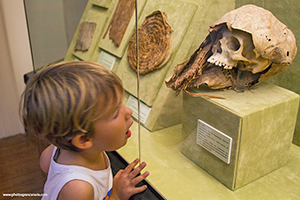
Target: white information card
{"x":106,"y":60}
{"x":214,"y":141}
{"x":132,"y":103}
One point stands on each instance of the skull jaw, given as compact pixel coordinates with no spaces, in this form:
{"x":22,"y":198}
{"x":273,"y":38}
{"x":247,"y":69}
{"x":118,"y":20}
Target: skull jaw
{"x":216,"y":78}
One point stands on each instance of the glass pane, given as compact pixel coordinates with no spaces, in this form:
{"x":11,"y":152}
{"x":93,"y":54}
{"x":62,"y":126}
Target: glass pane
{"x":51,"y":26}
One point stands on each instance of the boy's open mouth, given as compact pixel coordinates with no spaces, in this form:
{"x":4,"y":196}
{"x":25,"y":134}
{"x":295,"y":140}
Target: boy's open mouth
{"x":128,"y":133}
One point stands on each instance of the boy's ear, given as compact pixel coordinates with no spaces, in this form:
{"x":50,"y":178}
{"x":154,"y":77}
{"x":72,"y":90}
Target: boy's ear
{"x":82,"y":142}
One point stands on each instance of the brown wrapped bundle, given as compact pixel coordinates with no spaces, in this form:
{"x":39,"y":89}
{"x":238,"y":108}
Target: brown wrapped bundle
{"x":120,"y":21}
{"x":155,"y":40}
{"x":86,"y":33}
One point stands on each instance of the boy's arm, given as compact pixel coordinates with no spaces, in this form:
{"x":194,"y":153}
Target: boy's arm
{"x":45,"y":158}
{"x":76,"y":190}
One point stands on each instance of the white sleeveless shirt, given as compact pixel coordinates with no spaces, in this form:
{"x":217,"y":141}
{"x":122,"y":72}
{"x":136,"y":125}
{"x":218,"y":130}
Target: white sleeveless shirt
{"x":59,"y":175}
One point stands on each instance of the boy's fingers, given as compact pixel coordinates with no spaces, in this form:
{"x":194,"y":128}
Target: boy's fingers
{"x":137,"y":170}
{"x":140,"y":189}
{"x":129,"y":168}
{"x":140,"y":178}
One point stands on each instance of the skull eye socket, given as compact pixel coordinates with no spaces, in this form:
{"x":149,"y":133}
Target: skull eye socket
{"x":233,"y":44}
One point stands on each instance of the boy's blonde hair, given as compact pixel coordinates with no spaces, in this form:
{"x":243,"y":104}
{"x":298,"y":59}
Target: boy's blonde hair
{"x":65,"y":99}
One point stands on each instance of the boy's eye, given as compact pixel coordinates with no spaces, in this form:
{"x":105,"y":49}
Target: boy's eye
{"x":116,"y":113}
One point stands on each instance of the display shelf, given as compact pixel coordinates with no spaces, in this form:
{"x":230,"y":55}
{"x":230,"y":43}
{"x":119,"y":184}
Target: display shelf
{"x":117,"y":163}
{"x":177,"y":177}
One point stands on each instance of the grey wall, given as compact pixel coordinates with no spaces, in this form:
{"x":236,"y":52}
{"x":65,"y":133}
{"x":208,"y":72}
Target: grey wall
{"x":52,"y":24}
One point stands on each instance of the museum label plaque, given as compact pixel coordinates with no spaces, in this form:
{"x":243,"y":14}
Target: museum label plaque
{"x":106,"y":60}
{"x":132,"y":103}
{"x":214,"y":141}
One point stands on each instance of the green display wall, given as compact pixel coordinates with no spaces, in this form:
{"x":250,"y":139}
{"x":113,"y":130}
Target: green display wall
{"x":288,"y":13}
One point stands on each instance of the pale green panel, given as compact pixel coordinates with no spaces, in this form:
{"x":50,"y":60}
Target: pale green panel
{"x":260,"y":122}
{"x":96,"y":55}
{"x":107,"y":44}
{"x":92,"y":16}
{"x":179,"y":13}
{"x":288,"y":13}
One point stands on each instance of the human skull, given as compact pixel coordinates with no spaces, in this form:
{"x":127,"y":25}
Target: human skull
{"x":249,"y":39}
{"x":237,"y":46}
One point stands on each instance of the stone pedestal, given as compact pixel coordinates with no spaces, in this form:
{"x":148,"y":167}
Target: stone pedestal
{"x":260,"y":124}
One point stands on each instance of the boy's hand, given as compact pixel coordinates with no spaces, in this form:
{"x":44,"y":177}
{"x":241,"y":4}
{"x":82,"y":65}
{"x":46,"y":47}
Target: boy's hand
{"x":125,"y":181}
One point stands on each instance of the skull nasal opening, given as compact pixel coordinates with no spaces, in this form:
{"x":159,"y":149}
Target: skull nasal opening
{"x":218,"y":48}
{"x":233,"y":44}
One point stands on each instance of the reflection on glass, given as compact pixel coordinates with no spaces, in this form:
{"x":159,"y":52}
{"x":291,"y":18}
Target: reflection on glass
{"x":51,"y":26}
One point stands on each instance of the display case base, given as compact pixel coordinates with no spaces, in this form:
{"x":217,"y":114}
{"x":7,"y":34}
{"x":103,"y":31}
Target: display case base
{"x":117,"y":163}
{"x":259,"y":123}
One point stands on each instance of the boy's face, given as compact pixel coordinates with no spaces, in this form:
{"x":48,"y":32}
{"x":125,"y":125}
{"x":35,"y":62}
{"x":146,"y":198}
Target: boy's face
{"x":112,"y":132}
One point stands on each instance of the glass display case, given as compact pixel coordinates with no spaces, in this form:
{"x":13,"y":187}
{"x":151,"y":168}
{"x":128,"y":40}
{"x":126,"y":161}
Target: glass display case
{"x":194,"y":147}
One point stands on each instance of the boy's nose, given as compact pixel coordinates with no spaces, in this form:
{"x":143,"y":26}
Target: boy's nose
{"x":128,"y":111}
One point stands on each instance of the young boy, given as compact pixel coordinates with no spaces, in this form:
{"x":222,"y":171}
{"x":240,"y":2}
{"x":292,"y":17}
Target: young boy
{"x":78,"y":107}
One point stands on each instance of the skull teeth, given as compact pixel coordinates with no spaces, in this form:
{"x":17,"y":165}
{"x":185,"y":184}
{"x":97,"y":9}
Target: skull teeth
{"x":218,"y":63}
{"x":227,"y":67}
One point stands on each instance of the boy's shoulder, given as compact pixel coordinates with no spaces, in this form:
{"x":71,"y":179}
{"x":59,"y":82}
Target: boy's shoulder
{"x":45,"y":158}
{"x":77,"y":189}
